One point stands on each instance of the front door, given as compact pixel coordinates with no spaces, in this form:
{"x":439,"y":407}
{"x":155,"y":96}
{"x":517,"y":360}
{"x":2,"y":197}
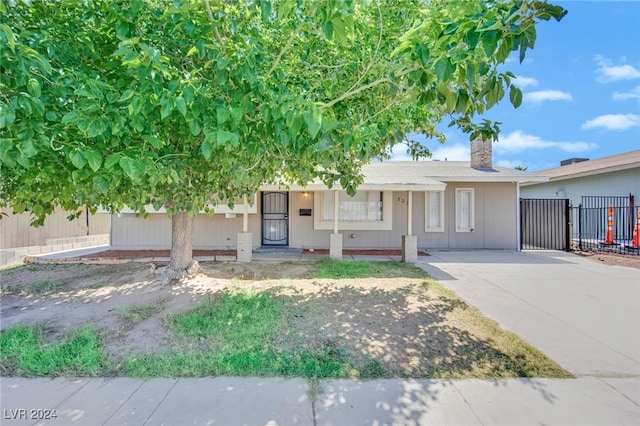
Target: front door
{"x":275,"y":218}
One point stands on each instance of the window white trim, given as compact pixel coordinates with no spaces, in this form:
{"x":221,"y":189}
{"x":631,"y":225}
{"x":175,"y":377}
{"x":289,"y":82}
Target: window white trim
{"x":434,"y":211}
{"x":465,"y":209}
{"x":386,"y":224}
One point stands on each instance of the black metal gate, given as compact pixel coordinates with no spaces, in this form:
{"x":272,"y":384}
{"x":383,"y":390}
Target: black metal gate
{"x":545,"y":224}
{"x":275,"y":219}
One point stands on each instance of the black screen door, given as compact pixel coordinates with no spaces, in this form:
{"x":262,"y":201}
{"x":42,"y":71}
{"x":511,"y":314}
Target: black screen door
{"x":275,"y":218}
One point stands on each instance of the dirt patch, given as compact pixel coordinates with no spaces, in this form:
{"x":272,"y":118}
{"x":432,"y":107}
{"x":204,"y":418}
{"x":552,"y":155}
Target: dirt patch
{"x":401,"y":319}
{"x":613,"y":259}
{"x":99,"y":295}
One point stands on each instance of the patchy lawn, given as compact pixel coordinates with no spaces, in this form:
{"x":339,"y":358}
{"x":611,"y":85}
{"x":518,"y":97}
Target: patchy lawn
{"x":311,"y":319}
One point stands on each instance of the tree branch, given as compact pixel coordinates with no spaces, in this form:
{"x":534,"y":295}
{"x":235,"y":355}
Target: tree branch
{"x":353,"y":92}
{"x":284,"y":49}
{"x":215,"y":29}
{"x":375,"y":54}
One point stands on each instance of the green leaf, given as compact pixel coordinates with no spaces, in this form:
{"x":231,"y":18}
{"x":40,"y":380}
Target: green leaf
{"x":206,"y":149}
{"x":77,"y":159}
{"x":71,"y":117}
{"x":489,"y":42}
{"x":181,"y":106}
{"x":224,"y":137}
{"x":236,"y":114}
{"x":29,"y":148}
{"x":515,"y":96}
{"x":94,"y":159}
{"x":192,"y":51}
{"x":112,"y":160}
{"x":33,"y":87}
{"x":101,"y":184}
{"x":194,"y":127}
{"x":96,"y":128}
{"x":222,"y":115}
{"x":7,"y":116}
{"x":166,"y":106}
{"x":313,"y":119}
{"x":135,"y":170}
{"x":11,"y":39}
{"x":444,"y":68}
{"x":153,"y":141}
{"x":128,"y":94}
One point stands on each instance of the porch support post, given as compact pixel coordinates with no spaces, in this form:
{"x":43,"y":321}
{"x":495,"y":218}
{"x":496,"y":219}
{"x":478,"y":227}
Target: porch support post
{"x":409,"y":242}
{"x":245,"y":215}
{"x":336,"y":211}
{"x":409,"y":212}
{"x":335,"y":239}
{"x":244,"y":251}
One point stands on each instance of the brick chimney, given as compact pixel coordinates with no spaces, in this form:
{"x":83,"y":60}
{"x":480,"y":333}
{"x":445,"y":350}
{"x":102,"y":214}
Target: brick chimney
{"x":481,"y":153}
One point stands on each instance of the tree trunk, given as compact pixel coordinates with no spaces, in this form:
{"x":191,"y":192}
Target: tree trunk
{"x":182,"y":264}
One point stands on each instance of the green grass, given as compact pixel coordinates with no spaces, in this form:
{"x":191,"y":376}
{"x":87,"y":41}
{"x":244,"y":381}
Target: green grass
{"x":137,"y":313}
{"x":234,"y":334}
{"x":236,"y":318}
{"x":24,"y":351}
{"x":36,"y":288}
{"x":329,"y":268}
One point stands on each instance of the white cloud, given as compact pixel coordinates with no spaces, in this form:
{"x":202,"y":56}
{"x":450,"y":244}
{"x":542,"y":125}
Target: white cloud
{"x":546,"y":95}
{"x":455,"y":152}
{"x":399,"y":153}
{"x":631,"y":94}
{"x":613,"y":122}
{"x":518,"y":141}
{"x":523,"y":82}
{"x":511,"y":164}
{"x":608,"y":72}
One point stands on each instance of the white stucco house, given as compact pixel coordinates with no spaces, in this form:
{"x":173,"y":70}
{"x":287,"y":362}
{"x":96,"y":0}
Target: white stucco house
{"x":401,"y":205}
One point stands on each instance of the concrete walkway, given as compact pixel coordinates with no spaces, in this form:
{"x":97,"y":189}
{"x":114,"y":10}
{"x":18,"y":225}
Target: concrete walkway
{"x":584,"y":315}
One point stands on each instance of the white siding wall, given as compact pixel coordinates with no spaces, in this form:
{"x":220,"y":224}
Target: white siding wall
{"x":154,"y":232}
{"x":495,"y":220}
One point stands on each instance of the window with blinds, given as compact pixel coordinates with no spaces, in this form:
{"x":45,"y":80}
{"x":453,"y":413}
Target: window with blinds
{"x":364,"y":206}
{"x":434,"y":211}
{"x":465,"y":210}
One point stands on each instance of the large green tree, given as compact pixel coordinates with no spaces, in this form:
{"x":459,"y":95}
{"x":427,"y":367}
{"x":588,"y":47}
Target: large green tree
{"x":170,"y":103}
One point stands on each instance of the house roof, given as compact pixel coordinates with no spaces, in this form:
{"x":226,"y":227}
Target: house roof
{"x":426,"y":176}
{"x":626,"y":160}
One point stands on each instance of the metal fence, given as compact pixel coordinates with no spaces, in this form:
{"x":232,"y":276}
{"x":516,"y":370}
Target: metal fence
{"x":590,"y":226}
{"x":553,"y":224}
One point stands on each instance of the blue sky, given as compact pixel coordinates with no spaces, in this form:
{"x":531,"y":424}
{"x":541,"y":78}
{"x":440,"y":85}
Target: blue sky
{"x":581,"y":86}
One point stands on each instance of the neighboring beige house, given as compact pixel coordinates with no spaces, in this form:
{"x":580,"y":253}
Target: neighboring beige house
{"x":408,"y":205}
{"x":616,"y":175}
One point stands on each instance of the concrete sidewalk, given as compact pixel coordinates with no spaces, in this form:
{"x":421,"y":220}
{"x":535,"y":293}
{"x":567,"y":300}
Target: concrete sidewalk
{"x":272,"y":401}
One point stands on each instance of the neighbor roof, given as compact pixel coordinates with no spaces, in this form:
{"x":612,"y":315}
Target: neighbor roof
{"x":624,"y":161}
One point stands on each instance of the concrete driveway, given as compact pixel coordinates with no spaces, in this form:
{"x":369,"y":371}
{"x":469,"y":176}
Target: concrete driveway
{"x":583,"y":314}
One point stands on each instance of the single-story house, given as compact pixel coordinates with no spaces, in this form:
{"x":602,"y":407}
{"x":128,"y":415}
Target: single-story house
{"x":408,"y":205}
{"x":576,"y":179}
